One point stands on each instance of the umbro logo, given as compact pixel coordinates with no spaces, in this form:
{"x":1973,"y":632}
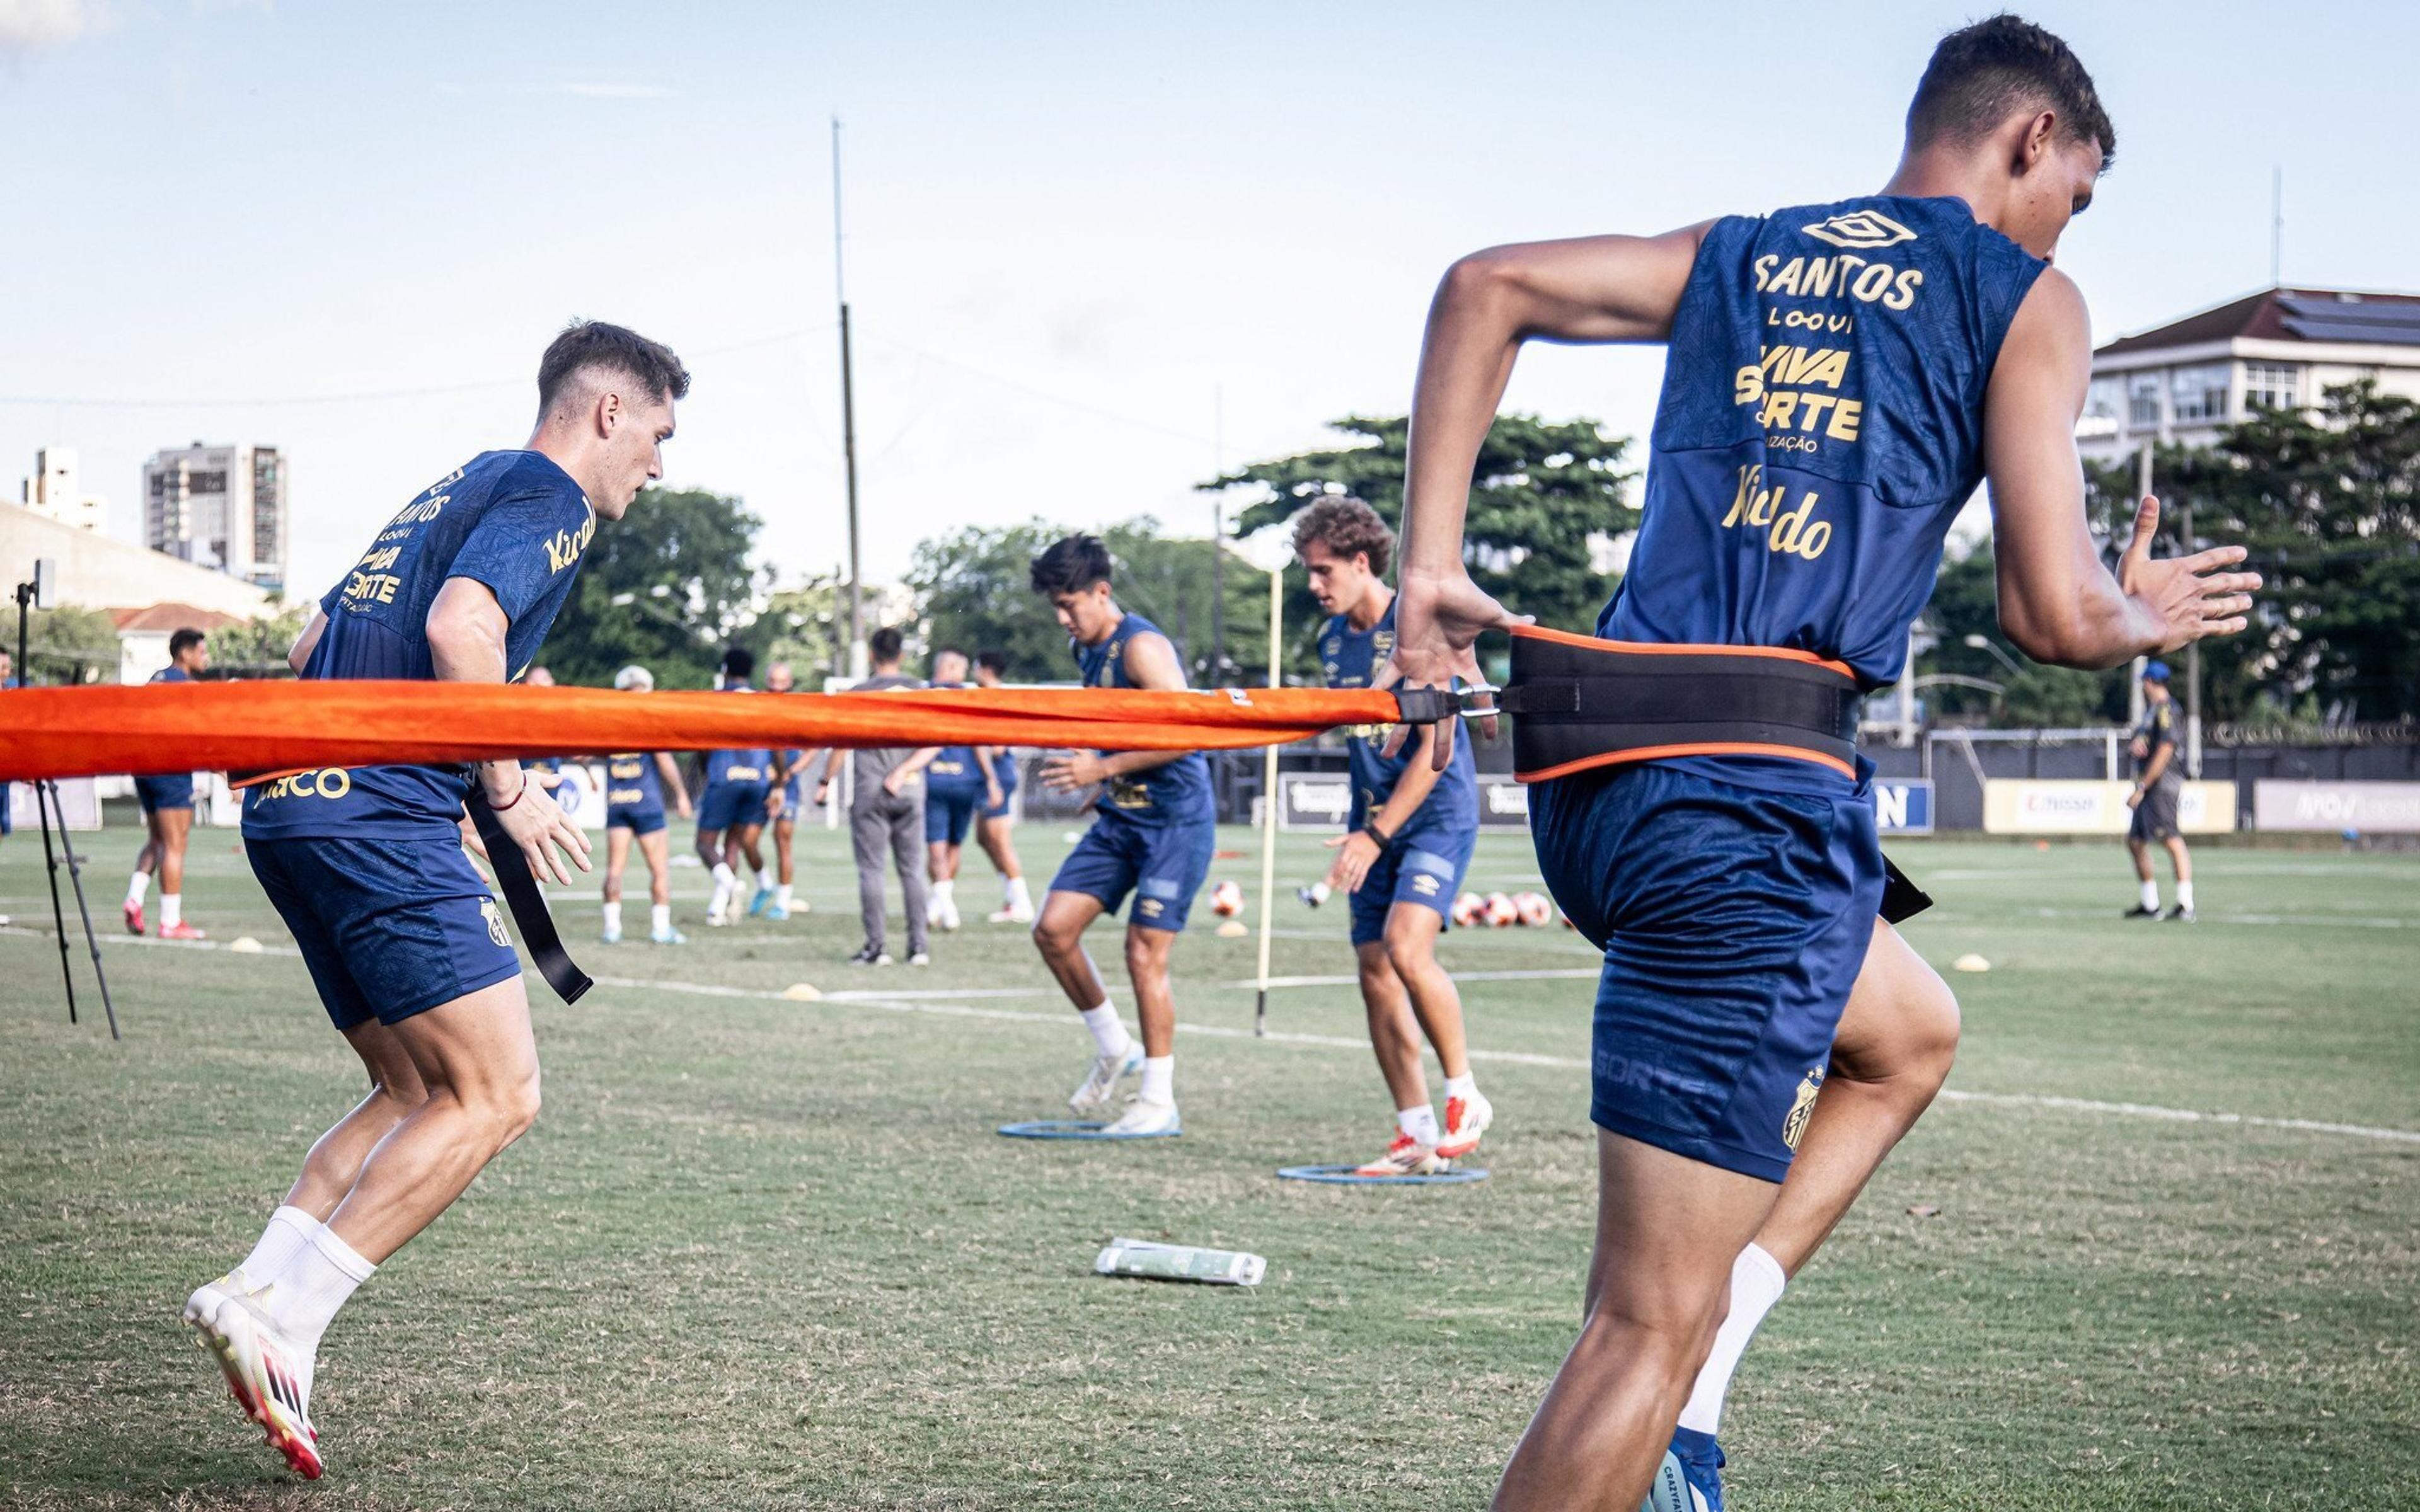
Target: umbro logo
{"x":1862,"y":229}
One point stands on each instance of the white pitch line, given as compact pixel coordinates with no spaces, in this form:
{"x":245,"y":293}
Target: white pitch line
{"x":2146,"y":1110}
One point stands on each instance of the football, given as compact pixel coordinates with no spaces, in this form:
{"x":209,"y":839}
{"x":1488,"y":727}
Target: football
{"x":1466,"y":909}
{"x":1501,"y":910}
{"x":1227,"y":899}
{"x":1533,"y":908}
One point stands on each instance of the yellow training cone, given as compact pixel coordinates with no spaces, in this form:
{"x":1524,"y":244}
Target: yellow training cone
{"x":803,"y":992}
{"x":1970,"y":962}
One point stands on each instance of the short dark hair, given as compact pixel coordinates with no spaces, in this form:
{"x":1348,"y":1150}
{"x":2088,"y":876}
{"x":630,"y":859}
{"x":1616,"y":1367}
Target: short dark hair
{"x":1981,"y":74}
{"x":1071,"y":564}
{"x":186,"y":638}
{"x":586,"y":343}
{"x":1344,"y":525}
{"x":886,"y":643}
{"x":993,"y":661}
{"x":738,"y":661}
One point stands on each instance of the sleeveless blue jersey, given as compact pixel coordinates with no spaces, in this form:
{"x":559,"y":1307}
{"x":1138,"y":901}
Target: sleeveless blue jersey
{"x":955,"y":769}
{"x":1348,"y":656}
{"x":1178,"y":793}
{"x":512,"y":521}
{"x":1821,"y":426}
{"x":632,"y":783}
{"x":743,"y":767}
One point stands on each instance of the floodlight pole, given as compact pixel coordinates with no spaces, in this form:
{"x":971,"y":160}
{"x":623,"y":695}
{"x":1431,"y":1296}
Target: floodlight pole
{"x":856,"y":661}
{"x":1269,"y":808}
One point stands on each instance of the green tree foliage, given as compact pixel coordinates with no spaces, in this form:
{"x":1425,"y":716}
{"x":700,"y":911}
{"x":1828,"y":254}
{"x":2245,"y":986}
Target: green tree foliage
{"x":2328,"y":500}
{"x":257,"y":648}
{"x":972,"y":587}
{"x":68,"y":644}
{"x":1965,"y":603}
{"x":806,"y":626}
{"x":681,"y":555}
{"x":1541,"y":491}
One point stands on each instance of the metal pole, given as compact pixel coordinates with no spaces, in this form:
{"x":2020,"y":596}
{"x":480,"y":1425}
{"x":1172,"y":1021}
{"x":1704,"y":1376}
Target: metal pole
{"x":83,"y":910}
{"x":2134,"y":670}
{"x":2193,"y":676}
{"x":1269,"y":809}
{"x":857,"y":663}
{"x":58,"y":915}
{"x":1218,"y":538}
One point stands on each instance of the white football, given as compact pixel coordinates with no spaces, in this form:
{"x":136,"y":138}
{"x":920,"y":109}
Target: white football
{"x":1227,"y":899}
{"x":1501,"y":910}
{"x":1533,"y":908}
{"x":1466,"y":909}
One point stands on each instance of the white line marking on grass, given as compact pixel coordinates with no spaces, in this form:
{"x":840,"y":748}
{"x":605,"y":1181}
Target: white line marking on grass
{"x":1554,"y":974}
{"x":2144,"y":1110}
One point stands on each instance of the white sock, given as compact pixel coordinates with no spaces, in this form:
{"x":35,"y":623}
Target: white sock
{"x":1756,"y":1286}
{"x":784,"y":898}
{"x":1420,"y":1122}
{"x":171,"y":909}
{"x":306,"y":1292}
{"x":1158,"y":1079}
{"x":724,"y":878}
{"x":2150,"y":895}
{"x":941,"y":889}
{"x":1012,"y":892}
{"x":1109,"y":1035}
{"x":613,"y":917}
{"x":1465,"y":1087}
{"x":137,"y":887}
{"x":660,"y":918}
{"x":289,"y":1229}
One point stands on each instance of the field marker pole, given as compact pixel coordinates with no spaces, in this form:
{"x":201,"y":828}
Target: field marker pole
{"x":1269,"y":806}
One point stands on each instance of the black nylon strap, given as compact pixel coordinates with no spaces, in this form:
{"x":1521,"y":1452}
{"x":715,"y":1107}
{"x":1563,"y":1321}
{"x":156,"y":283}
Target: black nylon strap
{"x":1901,"y":899}
{"x":527,"y":902}
{"x":1575,"y":702}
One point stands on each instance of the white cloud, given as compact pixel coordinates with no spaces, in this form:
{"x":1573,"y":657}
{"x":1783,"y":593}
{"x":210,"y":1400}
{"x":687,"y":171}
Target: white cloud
{"x":27,"y":25}
{"x":607,"y":91}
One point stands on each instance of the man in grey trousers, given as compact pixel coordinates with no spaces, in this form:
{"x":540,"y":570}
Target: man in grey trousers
{"x":886,"y":810}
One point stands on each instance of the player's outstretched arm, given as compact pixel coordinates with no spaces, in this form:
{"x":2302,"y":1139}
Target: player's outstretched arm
{"x":300,"y":653}
{"x":1590,"y":290}
{"x":2058,"y":603}
{"x":466,"y":644}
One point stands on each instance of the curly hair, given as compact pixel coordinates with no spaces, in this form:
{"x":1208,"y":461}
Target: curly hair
{"x":1344,"y":525}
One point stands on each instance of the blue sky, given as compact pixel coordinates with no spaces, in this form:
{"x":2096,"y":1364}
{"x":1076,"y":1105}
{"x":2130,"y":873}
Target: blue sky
{"x":1091,"y":247}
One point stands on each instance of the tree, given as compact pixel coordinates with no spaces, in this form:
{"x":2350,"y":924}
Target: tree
{"x":678,"y":562}
{"x":808,"y":627}
{"x":2328,"y":502}
{"x":68,"y":644}
{"x":972,"y":588}
{"x":1545,"y":498}
{"x":257,"y":648}
{"x":1965,"y":602}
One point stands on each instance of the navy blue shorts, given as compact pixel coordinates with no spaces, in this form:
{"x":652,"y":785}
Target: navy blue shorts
{"x":637,"y":821}
{"x":1424,"y":869}
{"x":732,"y":805}
{"x":950,"y":812}
{"x":1734,"y":920}
{"x":1163,"y":865}
{"x":172,"y":792}
{"x":389,"y":928}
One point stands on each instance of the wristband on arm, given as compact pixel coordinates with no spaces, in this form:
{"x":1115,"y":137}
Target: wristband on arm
{"x":1377,"y":836}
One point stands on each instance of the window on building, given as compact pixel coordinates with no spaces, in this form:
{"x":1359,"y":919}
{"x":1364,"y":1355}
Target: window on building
{"x":2143,"y":401}
{"x":2271,"y":386}
{"x":2198,"y":394}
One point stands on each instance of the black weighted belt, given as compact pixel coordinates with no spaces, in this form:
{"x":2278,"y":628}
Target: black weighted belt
{"x":1579,"y":703}
{"x":527,"y":902}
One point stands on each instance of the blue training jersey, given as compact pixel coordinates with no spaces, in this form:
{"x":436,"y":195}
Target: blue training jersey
{"x":1349,"y":657}
{"x":633,"y":784}
{"x":955,"y":768}
{"x":753,"y":765}
{"x":171,"y":674}
{"x":512,"y":521}
{"x":1820,"y":427}
{"x":1177,"y":793}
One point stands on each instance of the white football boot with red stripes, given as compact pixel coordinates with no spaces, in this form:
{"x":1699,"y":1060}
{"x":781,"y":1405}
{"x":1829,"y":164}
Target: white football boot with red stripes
{"x":269,"y":1379}
{"x":1407,"y":1156}
{"x":1466,"y":1120}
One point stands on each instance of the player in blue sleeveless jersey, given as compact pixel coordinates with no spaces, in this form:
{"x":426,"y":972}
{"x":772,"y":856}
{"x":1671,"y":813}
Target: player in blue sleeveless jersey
{"x":958,"y":784}
{"x":406,"y":946}
{"x":1401,"y":860}
{"x":994,"y":827}
{"x":167,"y":812}
{"x":1839,"y":378}
{"x":635,"y":784}
{"x":738,"y":799}
{"x":789,"y":787}
{"x":1155,"y":828}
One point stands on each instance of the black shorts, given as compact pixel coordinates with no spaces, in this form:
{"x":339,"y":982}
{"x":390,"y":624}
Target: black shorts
{"x":2155,"y":817}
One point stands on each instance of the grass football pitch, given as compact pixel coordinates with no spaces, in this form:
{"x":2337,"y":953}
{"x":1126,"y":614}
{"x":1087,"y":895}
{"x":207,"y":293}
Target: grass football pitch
{"x":762,"y":1253}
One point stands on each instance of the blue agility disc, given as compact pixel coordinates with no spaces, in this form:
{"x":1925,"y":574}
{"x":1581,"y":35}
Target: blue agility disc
{"x":1343,"y":1175}
{"x":1072,"y":1129}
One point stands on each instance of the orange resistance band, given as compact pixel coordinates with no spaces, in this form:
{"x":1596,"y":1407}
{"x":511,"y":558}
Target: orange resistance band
{"x":274,"y":728}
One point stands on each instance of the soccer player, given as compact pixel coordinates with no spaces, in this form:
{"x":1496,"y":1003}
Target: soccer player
{"x":168,"y":812}
{"x":739,"y":796}
{"x":1401,"y":860}
{"x":408,"y":950}
{"x":992,"y":828}
{"x":635,"y":784}
{"x":1153,"y":832}
{"x":958,"y":780}
{"x":886,"y":812}
{"x":777,"y":905}
{"x":1839,"y":377}
{"x":2158,"y":784}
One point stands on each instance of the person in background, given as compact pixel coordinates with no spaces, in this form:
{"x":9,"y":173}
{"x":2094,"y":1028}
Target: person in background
{"x":777,"y":905}
{"x":739,"y":799}
{"x":886,"y":812}
{"x":635,"y":785}
{"x":998,"y":817}
{"x":168,"y":813}
{"x":2158,"y":784}
{"x":957,"y":782}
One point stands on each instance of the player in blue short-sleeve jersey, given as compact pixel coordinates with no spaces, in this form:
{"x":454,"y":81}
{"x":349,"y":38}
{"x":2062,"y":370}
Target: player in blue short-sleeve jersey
{"x":959,"y":784}
{"x":739,"y":797}
{"x":1405,"y":849}
{"x":167,"y":812}
{"x":1155,"y":828}
{"x":1839,"y":380}
{"x":996,"y":825}
{"x":406,"y":946}
{"x":635,"y":784}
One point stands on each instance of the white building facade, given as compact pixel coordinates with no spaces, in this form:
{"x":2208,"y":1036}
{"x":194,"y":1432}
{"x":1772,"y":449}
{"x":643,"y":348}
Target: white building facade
{"x":223,"y":507}
{"x":2282,"y":349}
{"x":56,"y":492}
